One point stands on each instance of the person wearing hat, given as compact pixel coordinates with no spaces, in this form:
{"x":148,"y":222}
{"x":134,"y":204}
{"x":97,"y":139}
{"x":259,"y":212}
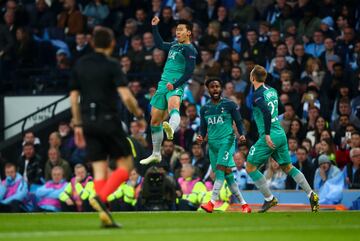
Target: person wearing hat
{"x":237,"y":42}
{"x":326,"y":26}
{"x":324,"y":172}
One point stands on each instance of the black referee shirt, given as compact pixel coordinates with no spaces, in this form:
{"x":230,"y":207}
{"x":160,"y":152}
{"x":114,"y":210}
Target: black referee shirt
{"x":97,"y":77}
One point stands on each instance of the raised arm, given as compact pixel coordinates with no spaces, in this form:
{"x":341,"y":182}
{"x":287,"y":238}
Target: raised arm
{"x":159,"y":42}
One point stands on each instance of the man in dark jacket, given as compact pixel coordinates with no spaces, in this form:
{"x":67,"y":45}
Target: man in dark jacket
{"x":305,"y":166}
{"x":30,"y":165}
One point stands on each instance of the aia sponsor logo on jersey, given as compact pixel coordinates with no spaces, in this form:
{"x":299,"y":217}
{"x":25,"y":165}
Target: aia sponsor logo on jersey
{"x":214,"y":120}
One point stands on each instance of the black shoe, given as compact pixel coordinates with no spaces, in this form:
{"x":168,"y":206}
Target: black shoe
{"x":268,"y":204}
{"x":314,"y":202}
{"x":106,"y":219}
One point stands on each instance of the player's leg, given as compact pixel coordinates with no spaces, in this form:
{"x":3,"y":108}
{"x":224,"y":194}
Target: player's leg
{"x":100,"y":171}
{"x":157,"y":134}
{"x":281,"y":155}
{"x":229,"y":176}
{"x":213,"y":153}
{"x":259,"y":153}
{"x":170,"y":127}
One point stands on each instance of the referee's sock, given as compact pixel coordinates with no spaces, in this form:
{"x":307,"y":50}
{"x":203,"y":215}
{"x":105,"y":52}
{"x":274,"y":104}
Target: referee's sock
{"x":99,"y":185}
{"x":117,"y":177}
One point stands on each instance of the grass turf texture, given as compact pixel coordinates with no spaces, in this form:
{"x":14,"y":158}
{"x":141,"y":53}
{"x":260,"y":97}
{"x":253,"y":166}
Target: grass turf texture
{"x":183,"y":226}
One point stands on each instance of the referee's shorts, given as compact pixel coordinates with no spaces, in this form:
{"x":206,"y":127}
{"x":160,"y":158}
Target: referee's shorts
{"x":105,"y":139}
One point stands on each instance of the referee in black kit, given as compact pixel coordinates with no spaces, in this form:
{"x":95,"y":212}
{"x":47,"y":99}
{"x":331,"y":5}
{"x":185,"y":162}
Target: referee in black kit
{"x":98,"y":79}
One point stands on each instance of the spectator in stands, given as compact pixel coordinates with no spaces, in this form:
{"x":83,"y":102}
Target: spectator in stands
{"x":316,"y":48}
{"x":13,"y":191}
{"x":185,"y":135}
{"x":236,"y":39}
{"x":296,"y":130}
{"x":351,"y":171}
{"x":313,"y":114}
{"x":310,"y":98}
{"x":293,"y":145}
{"x":313,"y":72}
{"x":170,"y":154}
{"x":328,"y":52}
{"x":82,"y":47}
{"x":345,"y":109}
{"x":166,"y":23}
{"x":54,"y":159}
{"x":96,"y":12}
{"x":153,"y":68}
{"x":26,"y":51}
{"x":70,"y":20}
{"x":127,"y":66}
{"x":253,"y":49}
{"x":7,"y":43}
{"x":242,"y":179}
{"x":47,"y":196}
{"x":136,"y":53}
{"x":240,"y":84}
{"x":123,"y":42}
{"x":142,"y":20}
{"x":305,"y":166}
{"x":77,"y":192}
{"x":242,"y":13}
{"x":185,"y":158}
{"x":288,"y":116}
{"x":29,"y":137}
{"x":208,"y":63}
{"x":124,"y":198}
{"x":300,"y":60}
{"x":199,"y":160}
{"x":148,"y":46}
{"x":30,"y":165}
{"x":324,"y":172}
{"x":320,"y":125}
{"x":275,"y":177}
{"x":288,"y":88}
{"x":308,"y":24}
{"x":193,"y":190}
{"x":274,"y":41}
{"x":194,"y":119}
{"x":325,"y":147}
{"x":137,"y":134}
{"x":67,"y":140}
{"x":345,"y":45}
{"x":41,"y":17}
{"x":355,"y":140}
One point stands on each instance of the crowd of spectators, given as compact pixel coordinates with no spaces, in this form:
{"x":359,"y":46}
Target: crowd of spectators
{"x":310,"y":49}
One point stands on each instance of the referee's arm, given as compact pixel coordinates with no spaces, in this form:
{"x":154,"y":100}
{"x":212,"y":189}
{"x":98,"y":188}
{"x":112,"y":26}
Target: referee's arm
{"x":75,"y":107}
{"x":130,"y":102}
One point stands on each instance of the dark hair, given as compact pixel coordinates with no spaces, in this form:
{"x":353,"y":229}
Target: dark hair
{"x":102,"y":37}
{"x":195,"y":144}
{"x":303,"y":148}
{"x":188,"y":24}
{"x":9,"y":164}
{"x":28,"y":144}
{"x":212,"y":79}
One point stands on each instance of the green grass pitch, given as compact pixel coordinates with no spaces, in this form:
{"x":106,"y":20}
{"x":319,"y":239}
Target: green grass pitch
{"x":183,"y":226}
